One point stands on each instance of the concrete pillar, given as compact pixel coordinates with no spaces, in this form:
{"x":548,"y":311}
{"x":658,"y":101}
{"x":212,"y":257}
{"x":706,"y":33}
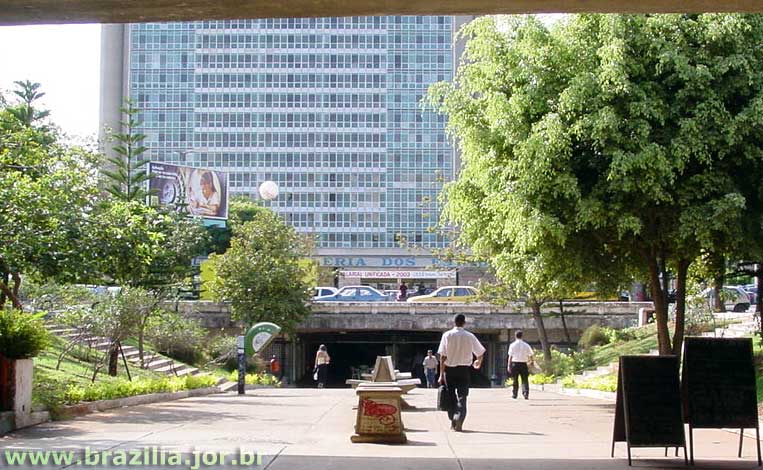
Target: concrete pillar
{"x":22,"y":391}
{"x":113,"y":82}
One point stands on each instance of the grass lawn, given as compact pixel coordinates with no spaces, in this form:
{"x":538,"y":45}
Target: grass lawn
{"x":77,"y":368}
{"x":71,"y":382}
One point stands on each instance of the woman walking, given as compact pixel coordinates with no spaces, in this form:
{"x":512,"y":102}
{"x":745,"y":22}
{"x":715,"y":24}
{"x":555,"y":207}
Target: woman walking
{"x":322,"y":360}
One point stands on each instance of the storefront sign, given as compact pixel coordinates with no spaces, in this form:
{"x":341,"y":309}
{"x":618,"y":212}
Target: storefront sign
{"x":389,"y":262}
{"x":400,"y":274}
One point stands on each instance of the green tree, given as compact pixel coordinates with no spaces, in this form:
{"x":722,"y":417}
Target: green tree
{"x":613,"y":135}
{"x":264,"y":274}
{"x":242,"y":209}
{"x":47,"y":187}
{"x":126,"y":173}
{"x":143,"y":247}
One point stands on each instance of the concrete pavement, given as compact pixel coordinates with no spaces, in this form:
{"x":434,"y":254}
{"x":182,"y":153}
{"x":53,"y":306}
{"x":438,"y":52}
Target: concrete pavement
{"x":310,"y":429}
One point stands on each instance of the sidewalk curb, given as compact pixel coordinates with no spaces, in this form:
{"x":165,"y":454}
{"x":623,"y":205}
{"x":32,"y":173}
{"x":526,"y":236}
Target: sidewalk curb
{"x":575,"y":392}
{"x":81,"y":409}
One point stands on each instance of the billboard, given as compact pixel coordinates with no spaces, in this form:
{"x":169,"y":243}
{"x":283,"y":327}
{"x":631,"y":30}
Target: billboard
{"x":196,"y":191}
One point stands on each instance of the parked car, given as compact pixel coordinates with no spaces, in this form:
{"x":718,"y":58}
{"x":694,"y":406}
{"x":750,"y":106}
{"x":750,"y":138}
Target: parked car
{"x":448,"y":294}
{"x":734,"y":298}
{"x":354,"y":294}
{"x":752,"y":293}
{"x":323,"y":291}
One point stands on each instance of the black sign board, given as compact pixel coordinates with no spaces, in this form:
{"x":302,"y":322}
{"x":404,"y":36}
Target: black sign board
{"x":718,"y":385}
{"x":648,"y":409}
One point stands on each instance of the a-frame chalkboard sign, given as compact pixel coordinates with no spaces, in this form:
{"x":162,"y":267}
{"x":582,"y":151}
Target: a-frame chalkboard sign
{"x":648,"y":409}
{"x":718,"y":386}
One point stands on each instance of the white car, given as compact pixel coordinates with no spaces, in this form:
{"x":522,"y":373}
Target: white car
{"x":734,"y":298}
{"x":321,"y":291}
{"x":354,"y":294}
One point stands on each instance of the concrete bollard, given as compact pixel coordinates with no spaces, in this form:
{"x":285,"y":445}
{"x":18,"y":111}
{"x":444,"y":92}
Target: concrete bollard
{"x":378,"y":416}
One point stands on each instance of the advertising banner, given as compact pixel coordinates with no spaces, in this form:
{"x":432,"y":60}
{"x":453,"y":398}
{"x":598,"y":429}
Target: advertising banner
{"x":399,"y":274}
{"x":195,"y":191}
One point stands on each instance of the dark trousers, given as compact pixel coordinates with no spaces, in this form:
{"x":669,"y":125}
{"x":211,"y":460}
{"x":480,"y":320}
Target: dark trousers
{"x":458,"y":380}
{"x":519,"y":369}
{"x":323,"y":375}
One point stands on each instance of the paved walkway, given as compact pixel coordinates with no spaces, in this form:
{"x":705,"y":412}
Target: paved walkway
{"x":310,"y":429}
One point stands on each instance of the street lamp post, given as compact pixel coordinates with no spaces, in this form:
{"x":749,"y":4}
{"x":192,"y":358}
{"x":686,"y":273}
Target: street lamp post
{"x":268,"y":190}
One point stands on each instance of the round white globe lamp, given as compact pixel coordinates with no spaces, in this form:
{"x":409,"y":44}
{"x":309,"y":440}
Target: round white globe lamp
{"x":268,"y":190}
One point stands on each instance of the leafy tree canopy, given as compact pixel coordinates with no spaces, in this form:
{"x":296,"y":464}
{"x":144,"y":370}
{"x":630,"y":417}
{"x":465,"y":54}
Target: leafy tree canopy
{"x":264,"y":274}
{"x":47,"y":187}
{"x":604,"y":145}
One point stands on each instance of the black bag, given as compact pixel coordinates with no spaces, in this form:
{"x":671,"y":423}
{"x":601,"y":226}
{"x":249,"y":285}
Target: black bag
{"x":443,"y":399}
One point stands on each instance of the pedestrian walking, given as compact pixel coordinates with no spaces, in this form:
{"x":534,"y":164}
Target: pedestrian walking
{"x":275,"y":367}
{"x":322,"y":360}
{"x":403,"y":292}
{"x":430,"y":369}
{"x":520,"y":355}
{"x":458,"y":349}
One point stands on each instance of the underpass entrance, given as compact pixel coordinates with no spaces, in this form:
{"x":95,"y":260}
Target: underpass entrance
{"x":354,"y":353}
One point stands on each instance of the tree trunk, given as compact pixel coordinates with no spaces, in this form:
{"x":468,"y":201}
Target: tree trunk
{"x":564,"y":323}
{"x":678,"y":334}
{"x":660,"y":308}
{"x":16,"y":287}
{"x":718,"y":264}
{"x":140,"y":348}
{"x":10,"y":295}
{"x":759,"y":300}
{"x":4,"y":278}
{"x":113,"y":358}
{"x":541,"y":332}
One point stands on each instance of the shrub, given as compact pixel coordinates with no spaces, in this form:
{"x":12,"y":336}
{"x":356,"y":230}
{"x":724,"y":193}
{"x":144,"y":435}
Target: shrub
{"x":121,"y":388}
{"x":541,"y":379}
{"x":50,"y":393}
{"x":22,"y":335}
{"x":699,"y":315}
{"x":565,"y":364}
{"x":594,"y":335}
{"x":176,"y":336}
{"x":569,"y":382}
{"x":52,"y":296}
{"x":604,"y":383}
{"x":222,"y":350}
{"x":261,"y":378}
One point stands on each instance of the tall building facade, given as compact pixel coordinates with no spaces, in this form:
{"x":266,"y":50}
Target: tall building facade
{"x":328,"y":108}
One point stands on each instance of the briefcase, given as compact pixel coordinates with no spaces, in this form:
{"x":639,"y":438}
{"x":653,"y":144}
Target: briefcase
{"x":443,"y":399}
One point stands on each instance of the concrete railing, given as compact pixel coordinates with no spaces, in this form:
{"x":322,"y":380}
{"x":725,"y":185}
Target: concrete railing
{"x":433,"y":316}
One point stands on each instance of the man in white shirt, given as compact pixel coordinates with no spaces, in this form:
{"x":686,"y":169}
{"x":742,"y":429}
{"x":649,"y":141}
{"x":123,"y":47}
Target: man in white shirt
{"x":430,"y":368}
{"x":520,"y":354}
{"x":457,"y":350}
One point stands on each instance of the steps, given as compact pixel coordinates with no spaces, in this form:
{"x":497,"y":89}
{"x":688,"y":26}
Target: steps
{"x":151,"y":360}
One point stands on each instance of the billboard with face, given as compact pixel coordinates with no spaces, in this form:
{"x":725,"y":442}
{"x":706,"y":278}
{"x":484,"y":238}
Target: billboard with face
{"x":195,"y":191}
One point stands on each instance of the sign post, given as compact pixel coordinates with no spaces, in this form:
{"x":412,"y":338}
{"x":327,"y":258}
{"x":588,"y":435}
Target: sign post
{"x":256,"y":339}
{"x":241,"y":365}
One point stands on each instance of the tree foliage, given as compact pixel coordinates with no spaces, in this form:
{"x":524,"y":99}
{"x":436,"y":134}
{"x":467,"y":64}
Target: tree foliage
{"x":264,"y":274}
{"x":605,"y":145}
{"x":126,"y":172}
{"x":48,"y":189}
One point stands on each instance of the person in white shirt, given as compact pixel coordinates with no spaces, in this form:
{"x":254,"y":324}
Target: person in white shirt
{"x":520,"y":354}
{"x":430,"y":368}
{"x":458,"y":349}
